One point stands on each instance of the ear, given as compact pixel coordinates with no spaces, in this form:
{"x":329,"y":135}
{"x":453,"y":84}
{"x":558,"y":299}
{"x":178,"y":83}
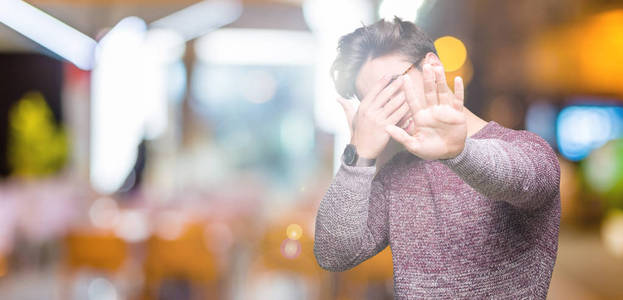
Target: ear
{"x":432,"y":59}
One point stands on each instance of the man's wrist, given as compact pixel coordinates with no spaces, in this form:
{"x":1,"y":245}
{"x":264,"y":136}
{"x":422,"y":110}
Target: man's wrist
{"x":461,"y":155}
{"x":361,"y":151}
{"x":352,"y":157}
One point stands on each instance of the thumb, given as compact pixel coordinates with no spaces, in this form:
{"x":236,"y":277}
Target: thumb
{"x":349,"y":109}
{"x":400,"y":135}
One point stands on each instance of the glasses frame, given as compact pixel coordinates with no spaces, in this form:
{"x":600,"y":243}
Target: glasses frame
{"x":403,"y":74}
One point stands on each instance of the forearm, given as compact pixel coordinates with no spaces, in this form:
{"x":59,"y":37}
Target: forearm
{"x":524,"y":173}
{"x":343,"y":237}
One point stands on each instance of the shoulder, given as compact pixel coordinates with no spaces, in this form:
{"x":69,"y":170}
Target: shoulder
{"x":527,"y":140}
{"x":497,"y":131}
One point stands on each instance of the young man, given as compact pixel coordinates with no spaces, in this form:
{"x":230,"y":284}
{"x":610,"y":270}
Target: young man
{"x":470,"y":210}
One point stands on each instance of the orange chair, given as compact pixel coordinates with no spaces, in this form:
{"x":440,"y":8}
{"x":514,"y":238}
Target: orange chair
{"x":92,"y":250}
{"x":371,"y":279}
{"x":278,"y":252}
{"x":184,"y":258}
{"x":98,"y":250}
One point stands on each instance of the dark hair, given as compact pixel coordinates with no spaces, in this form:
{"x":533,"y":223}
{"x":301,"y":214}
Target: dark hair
{"x":378,"y":39}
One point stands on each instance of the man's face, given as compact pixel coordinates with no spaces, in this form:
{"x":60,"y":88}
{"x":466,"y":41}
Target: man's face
{"x":392,"y":64}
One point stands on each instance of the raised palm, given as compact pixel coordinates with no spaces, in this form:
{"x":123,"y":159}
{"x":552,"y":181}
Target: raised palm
{"x":440,"y":126}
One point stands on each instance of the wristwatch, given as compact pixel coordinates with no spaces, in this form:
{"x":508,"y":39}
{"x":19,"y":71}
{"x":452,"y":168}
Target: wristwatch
{"x":351,"y":158}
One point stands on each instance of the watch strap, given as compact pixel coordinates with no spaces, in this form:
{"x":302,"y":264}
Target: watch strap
{"x":365,"y":162}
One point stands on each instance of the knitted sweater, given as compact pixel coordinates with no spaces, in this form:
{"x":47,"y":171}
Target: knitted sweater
{"x":481,"y":225}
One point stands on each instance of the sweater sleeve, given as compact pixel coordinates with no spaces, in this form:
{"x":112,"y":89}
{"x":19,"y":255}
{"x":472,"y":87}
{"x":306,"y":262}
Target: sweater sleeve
{"x":523,"y":171}
{"x":352,"y":220}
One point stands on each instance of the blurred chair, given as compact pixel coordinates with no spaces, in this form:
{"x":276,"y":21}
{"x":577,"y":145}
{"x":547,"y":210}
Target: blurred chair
{"x":372,"y":279}
{"x":102,"y":251}
{"x":181,"y":267}
{"x":92,"y":251}
{"x":4,"y":265}
{"x":280,"y":251}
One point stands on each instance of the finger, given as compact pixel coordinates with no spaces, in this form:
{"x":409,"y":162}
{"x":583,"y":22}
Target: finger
{"x":393,"y":104}
{"x":430,"y":90}
{"x":459,"y":92}
{"x":386,"y":93}
{"x":415,"y":102}
{"x":397,"y":115}
{"x":402,"y":137}
{"x":376,"y":89}
{"x":443,"y":91}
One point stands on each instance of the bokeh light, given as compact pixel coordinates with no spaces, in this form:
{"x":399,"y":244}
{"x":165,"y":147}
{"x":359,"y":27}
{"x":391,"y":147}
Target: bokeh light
{"x":581,"y":129}
{"x":601,"y":37}
{"x":132,"y":226}
{"x":170,"y":225}
{"x":579,"y":57}
{"x":612,"y":232}
{"x":600,"y":171}
{"x":466,"y":72}
{"x":603,"y":171}
{"x":290,"y":249}
{"x":452,"y":52}
{"x":294,"y":231}
{"x":541,"y":119}
{"x":104,"y":213}
{"x":101,"y":289}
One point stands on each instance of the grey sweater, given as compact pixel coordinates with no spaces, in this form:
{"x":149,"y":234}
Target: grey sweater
{"x":481,"y":225}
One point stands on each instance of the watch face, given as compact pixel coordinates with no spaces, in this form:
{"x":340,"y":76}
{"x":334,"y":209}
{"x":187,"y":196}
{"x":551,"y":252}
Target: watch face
{"x":350,"y":155}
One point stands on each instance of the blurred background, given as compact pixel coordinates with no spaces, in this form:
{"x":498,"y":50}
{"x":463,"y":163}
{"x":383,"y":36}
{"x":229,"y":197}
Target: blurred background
{"x":179,"y":149}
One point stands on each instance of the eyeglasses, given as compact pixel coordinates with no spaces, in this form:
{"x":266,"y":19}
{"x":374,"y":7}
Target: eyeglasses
{"x":403,"y":73}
